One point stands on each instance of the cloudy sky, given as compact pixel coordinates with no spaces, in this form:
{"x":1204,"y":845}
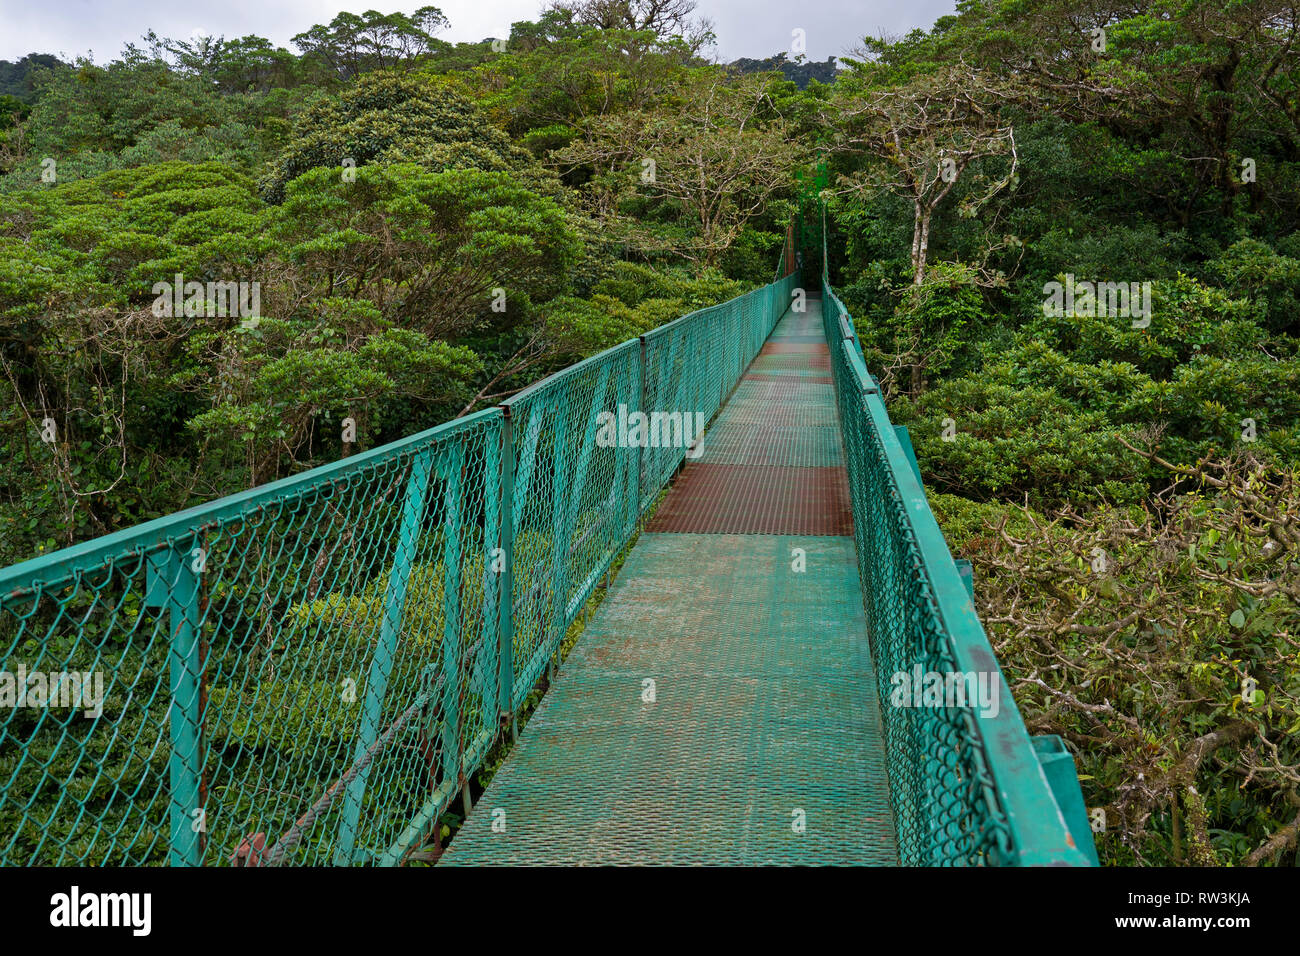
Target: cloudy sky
{"x":745,"y":27}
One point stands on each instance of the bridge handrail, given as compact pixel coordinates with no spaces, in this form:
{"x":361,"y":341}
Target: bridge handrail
{"x":967,"y":786}
{"x":311,"y":670}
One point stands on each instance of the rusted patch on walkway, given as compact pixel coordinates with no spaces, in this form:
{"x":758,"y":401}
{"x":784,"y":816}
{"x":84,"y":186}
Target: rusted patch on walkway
{"x":753,"y":499}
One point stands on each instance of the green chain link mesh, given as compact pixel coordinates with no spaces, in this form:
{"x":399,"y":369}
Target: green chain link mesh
{"x":948,"y":807}
{"x":308,"y":672}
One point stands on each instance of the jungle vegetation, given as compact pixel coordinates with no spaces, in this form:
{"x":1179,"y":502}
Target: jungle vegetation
{"x":433,"y":226}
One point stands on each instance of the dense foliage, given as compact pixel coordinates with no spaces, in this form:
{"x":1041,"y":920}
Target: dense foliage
{"x":1124,"y":480}
{"x":432,"y":226}
{"x":419,"y":243}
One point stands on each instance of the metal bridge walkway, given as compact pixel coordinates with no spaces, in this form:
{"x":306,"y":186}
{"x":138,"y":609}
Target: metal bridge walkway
{"x":314,"y":667}
{"x":720,"y":707}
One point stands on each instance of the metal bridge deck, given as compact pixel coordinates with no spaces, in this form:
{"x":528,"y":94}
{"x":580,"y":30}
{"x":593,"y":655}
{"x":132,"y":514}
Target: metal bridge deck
{"x":721,"y":706}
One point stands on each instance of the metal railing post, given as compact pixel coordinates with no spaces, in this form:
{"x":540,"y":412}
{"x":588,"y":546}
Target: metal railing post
{"x":181,"y":581}
{"x":641,"y":381}
{"x":506,"y":577}
{"x":559,"y":514}
{"x":453,"y":741}
{"x":381,"y":664}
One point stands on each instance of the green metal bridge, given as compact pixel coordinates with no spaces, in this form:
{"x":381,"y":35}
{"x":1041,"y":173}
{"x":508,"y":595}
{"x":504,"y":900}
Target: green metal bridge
{"x":312,"y":672}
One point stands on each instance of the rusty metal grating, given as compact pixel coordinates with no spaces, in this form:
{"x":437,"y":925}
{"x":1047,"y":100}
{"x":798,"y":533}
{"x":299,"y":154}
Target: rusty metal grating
{"x":782,"y":362}
{"x":772,"y":462}
{"x":793,"y":348}
{"x":755,"y":391}
{"x":804,"y":325}
{"x":801,"y":415}
{"x":812,"y":337}
{"x":811,"y":377}
{"x":751,"y":499}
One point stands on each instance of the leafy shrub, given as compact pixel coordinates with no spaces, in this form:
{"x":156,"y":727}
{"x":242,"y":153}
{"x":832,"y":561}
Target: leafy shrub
{"x":1130,"y":631}
{"x":1011,"y":442}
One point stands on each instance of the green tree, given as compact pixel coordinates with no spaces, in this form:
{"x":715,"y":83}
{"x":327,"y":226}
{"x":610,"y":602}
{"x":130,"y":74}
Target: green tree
{"x":385,"y":118}
{"x":352,"y":44}
{"x":922,"y":137}
{"x":704,"y":163}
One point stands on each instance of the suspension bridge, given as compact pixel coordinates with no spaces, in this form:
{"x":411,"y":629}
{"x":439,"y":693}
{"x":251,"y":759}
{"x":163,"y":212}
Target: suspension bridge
{"x":314,"y":671}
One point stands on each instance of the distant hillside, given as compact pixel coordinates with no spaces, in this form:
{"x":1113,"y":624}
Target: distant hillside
{"x":798,"y":71}
{"x":16,"y":78}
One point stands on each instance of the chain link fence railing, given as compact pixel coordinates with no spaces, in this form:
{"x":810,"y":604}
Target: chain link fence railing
{"x":310,"y":671}
{"x":966,"y":785}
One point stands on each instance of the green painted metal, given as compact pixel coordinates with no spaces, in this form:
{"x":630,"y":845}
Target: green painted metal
{"x":967,"y":572}
{"x":453,"y":728}
{"x":762,"y":744}
{"x":905,"y":440}
{"x":505,"y":580}
{"x":965,"y":782}
{"x":381,"y":665}
{"x":486,"y":662}
{"x":247,"y":684}
{"x":1062,"y":777}
{"x":642,"y":463}
{"x":184,"y":765}
{"x":313,"y":668}
{"x":559,"y":533}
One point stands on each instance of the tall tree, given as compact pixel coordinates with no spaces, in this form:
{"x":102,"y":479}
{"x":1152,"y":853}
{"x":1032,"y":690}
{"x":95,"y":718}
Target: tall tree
{"x":710,"y":157}
{"x":921,"y":138}
{"x":353,"y":44}
{"x":661,"y":17}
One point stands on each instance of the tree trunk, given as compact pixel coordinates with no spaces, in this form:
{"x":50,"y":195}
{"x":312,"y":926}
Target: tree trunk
{"x":921,"y":246}
{"x":917,"y":264}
